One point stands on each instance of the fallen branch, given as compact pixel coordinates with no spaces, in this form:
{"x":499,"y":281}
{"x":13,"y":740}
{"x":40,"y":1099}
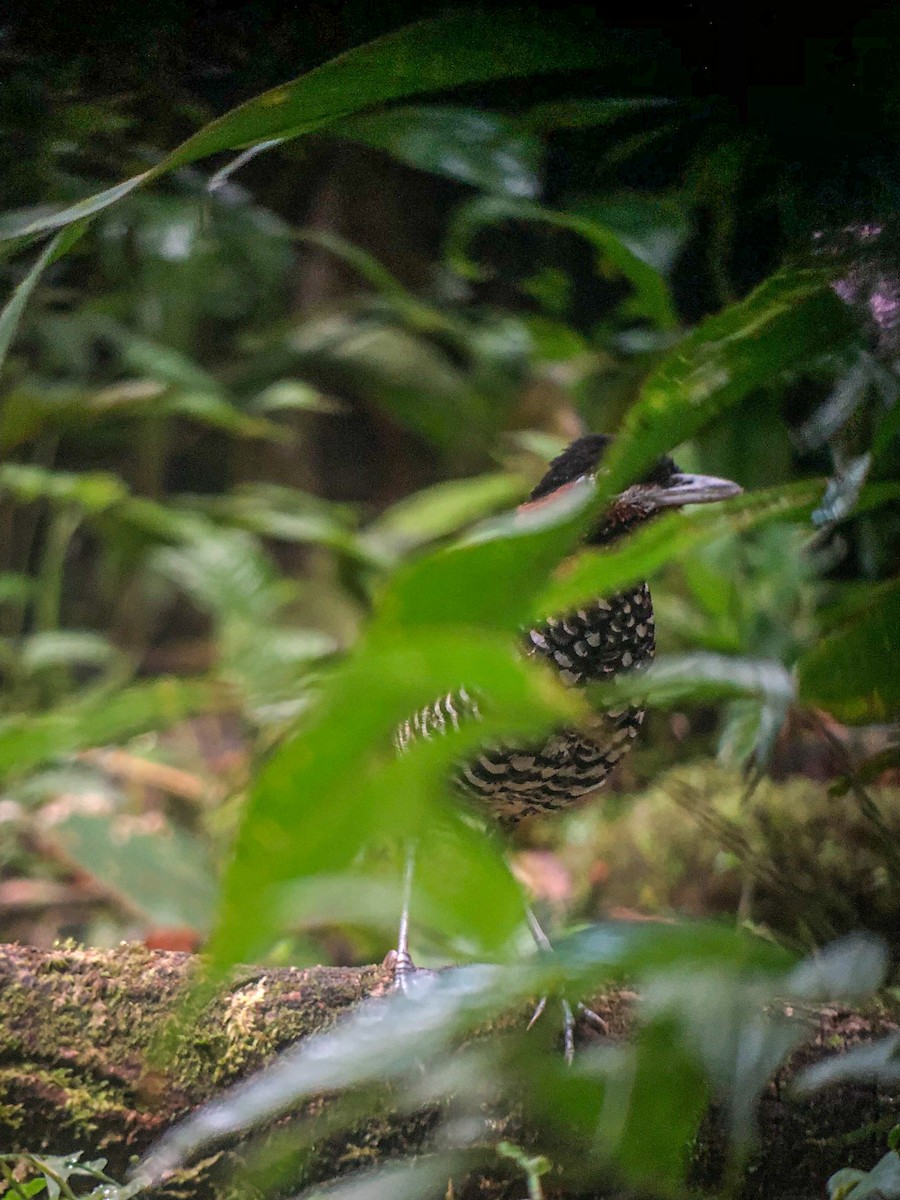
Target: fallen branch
{"x":77,"y":1027}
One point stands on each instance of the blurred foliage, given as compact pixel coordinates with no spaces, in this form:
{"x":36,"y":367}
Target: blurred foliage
{"x":192,"y":578}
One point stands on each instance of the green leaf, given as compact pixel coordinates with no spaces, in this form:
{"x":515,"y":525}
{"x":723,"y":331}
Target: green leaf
{"x":655,"y":228}
{"x":92,"y":491}
{"x":440,"y":510}
{"x":285,"y":514}
{"x":226,"y":573}
{"x":374,"y":273}
{"x":455,"y":49}
{"x":881,"y":1183}
{"x":849,"y":969}
{"x":339,"y":783}
{"x":651,"y":296}
{"x":155,"y":360}
{"x":15,"y":306}
{"x":852,"y":673}
{"x":788,"y":321}
{"x":26,"y":741}
{"x":623,"y":949}
{"x":489,"y":579}
{"x":675,"y":678}
{"x":376,"y":1042}
{"x":406,"y":1179}
{"x":668,"y":538}
{"x":63,"y":648}
{"x":647,"y":1128}
{"x":483,"y":149}
{"x":15,"y":226}
{"x":876,"y":1063}
{"x":292,"y":395}
{"x":212,"y":409}
{"x":159,"y":869}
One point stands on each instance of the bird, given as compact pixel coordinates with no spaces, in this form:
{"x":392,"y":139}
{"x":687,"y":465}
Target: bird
{"x":604,"y":638}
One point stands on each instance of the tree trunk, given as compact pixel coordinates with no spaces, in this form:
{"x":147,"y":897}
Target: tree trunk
{"x":82,"y":1068}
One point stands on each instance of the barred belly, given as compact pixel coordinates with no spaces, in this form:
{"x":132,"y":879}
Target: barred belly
{"x":592,"y":644}
{"x":515,"y":783}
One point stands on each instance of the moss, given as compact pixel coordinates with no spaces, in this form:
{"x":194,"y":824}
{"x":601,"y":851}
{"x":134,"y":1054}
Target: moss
{"x":80,"y":1107}
{"x":787,"y":854}
{"x":12,"y":1116}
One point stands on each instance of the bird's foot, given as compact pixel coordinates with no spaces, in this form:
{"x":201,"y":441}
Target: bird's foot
{"x":406,"y":973}
{"x":584,"y":1013}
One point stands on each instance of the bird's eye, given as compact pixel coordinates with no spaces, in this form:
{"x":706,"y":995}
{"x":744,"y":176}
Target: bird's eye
{"x":661,"y":472}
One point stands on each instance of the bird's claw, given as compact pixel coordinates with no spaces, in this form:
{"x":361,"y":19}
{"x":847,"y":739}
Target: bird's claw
{"x":541,"y":1005}
{"x":406,"y":973}
{"x":593,"y":1019}
{"x":587,"y":1014}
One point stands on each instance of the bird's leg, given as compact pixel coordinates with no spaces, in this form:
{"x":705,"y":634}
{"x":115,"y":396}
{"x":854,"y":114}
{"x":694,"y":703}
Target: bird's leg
{"x":545,"y":946}
{"x":405,"y":969}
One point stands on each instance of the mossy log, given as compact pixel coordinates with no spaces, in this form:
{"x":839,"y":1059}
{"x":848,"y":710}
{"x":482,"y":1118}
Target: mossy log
{"x":78,"y":1028}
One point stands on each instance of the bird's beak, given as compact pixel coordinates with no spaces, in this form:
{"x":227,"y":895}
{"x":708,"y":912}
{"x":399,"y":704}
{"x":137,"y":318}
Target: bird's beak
{"x":695,"y":489}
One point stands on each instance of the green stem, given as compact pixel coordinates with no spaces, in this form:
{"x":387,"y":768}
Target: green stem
{"x":63,"y":525}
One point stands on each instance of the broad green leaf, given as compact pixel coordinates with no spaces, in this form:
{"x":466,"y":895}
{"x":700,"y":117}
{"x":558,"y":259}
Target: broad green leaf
{"x":285,"y":514}
{"x":455,"y":49}
{"x":26,"y":741}
{"x":655,"y":228}
{"x":878,"y":1062}
{"x":881,"y":1183}
{"x":726,"y":1026}
{"x":440,"y":510}
{"x":451,"y":50}
{"x":647,"y":1129}
{"x":155,"y":360}
{"x":339,"y":783}
{"x":211,"y":408}
{"x":787,"y":322}
{"x":651,"y":293}
{"x":405,"y":1179}
{"x":158,"y":869}
{"x":396,"y":363}
{"x":483,"y":149}
{"x":227,"y":574}
{"x":852,"y":672}
{"x":15,"y":306}
{"x":623,"y":949}
{"x":65,"y":647}
{"x":292,"y":395}
{"x":851,"y":968}
{"x":489,"y":578}
{"x":673,"y":679}
{"x":91,"y":491}
{"x":602,"y":572}
{"x":376,"y":1043}
{"x":15,"y":226}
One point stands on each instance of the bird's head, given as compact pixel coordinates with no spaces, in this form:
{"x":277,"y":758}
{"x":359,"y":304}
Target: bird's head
{"x":662,"y":487}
